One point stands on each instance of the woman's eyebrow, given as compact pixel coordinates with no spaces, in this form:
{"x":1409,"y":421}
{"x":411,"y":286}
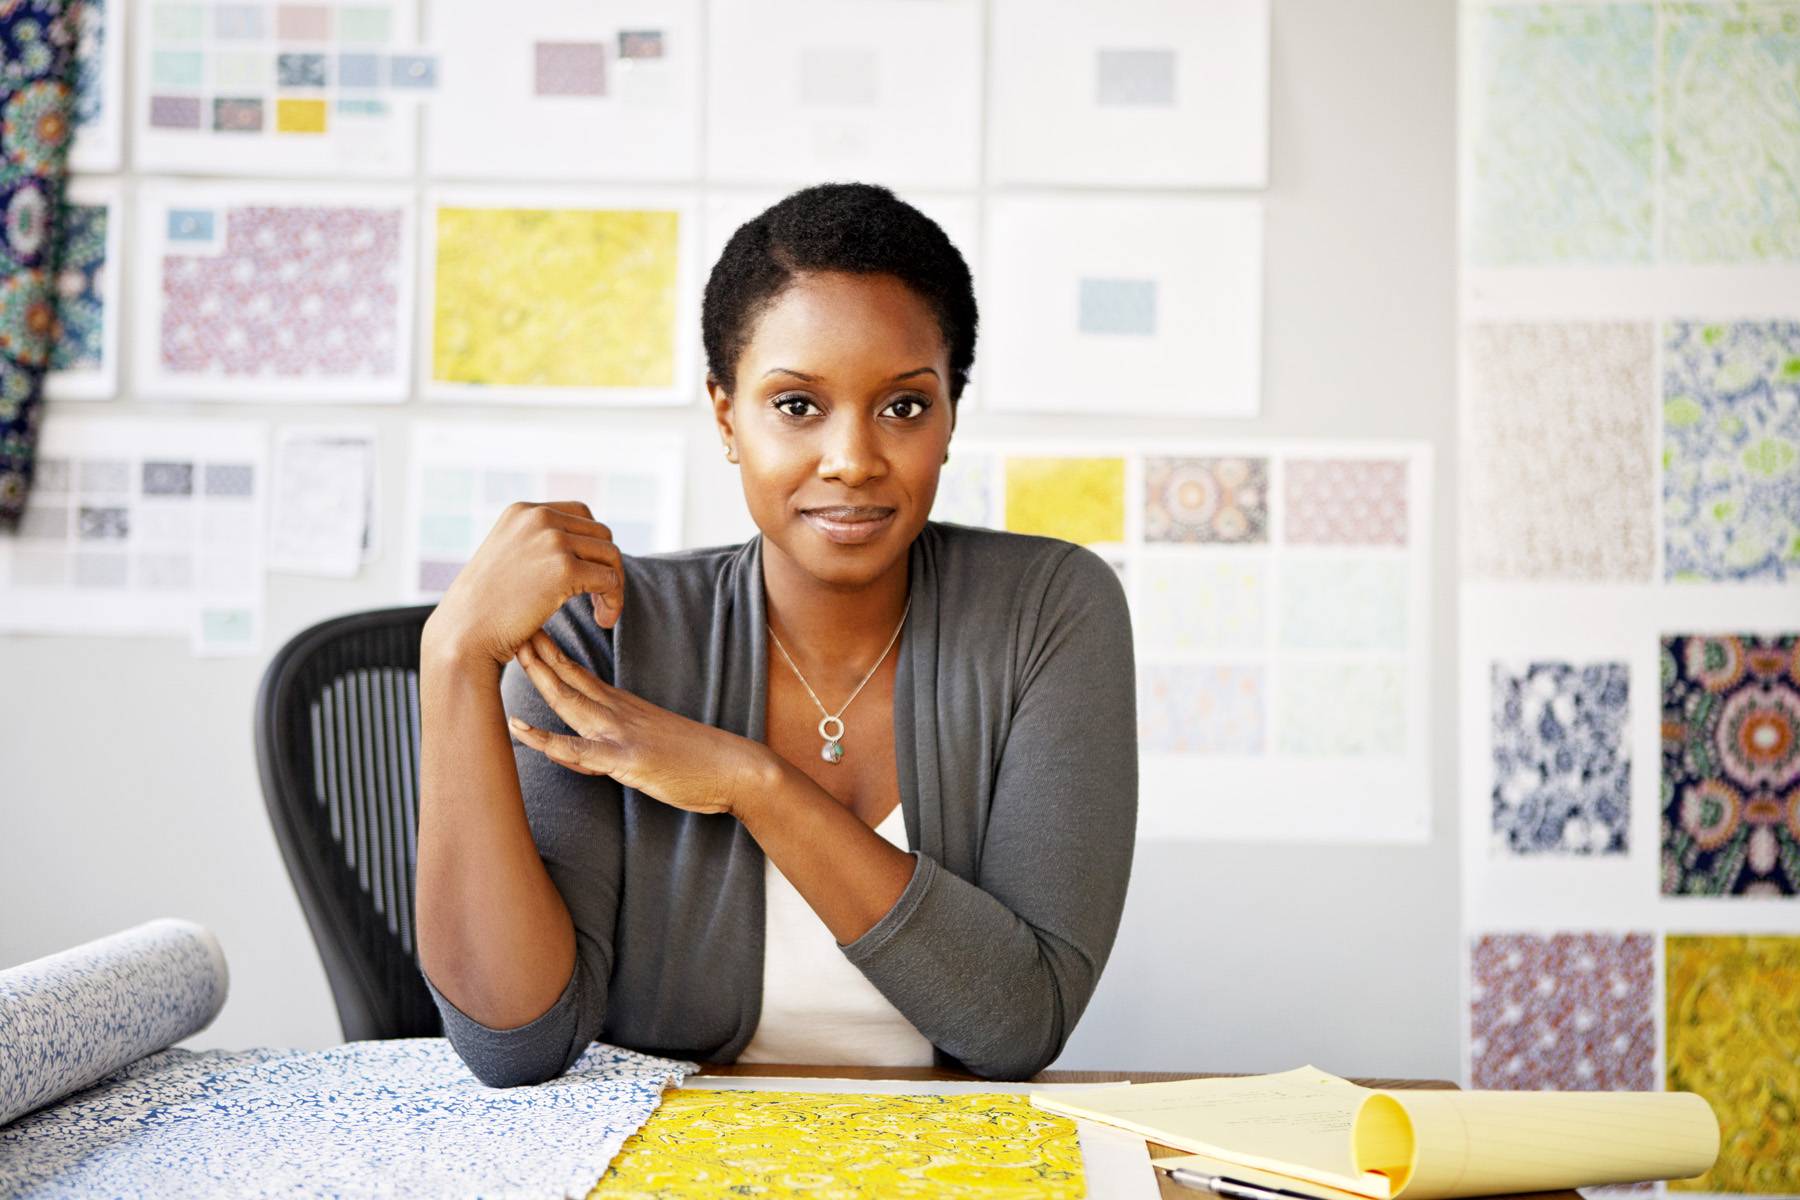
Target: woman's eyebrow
{"x":816,"y":378}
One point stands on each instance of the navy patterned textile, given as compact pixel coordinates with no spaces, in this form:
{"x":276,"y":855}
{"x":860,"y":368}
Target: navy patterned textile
{"x":37,"y":101}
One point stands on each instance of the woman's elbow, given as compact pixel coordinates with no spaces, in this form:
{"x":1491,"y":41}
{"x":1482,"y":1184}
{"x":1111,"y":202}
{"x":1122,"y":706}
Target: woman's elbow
{"x":1012,"y":1064}
{"x":511,"y":1075}
{"x":1020,"y":1047}
{"x":497,"y":1068}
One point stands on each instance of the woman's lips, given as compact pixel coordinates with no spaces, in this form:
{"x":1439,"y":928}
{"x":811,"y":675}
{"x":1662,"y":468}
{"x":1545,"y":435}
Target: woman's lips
{"x":849,"y":526}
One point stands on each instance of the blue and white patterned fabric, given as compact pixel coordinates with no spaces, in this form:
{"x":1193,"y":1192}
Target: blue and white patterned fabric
{"x":76,"y":1016}
{"x":393,"y":1119}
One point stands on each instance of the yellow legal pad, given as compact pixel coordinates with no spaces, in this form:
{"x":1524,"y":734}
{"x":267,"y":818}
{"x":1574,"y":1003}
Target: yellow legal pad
{"x":772,"y":1145}
{"x":1335,"y":1140}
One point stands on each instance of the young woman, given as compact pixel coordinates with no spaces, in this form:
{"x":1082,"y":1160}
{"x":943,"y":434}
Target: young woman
{"x":860,"y":790}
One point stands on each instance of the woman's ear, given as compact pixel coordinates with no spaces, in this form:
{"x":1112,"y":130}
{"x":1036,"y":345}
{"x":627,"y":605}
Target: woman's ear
{"x":722,"y":415}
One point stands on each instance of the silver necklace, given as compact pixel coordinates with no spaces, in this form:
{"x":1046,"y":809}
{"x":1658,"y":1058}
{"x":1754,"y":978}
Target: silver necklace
{"x":833,"y":750}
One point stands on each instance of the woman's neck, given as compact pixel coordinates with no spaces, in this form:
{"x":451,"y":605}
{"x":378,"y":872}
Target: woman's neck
{"x":835,"y":633}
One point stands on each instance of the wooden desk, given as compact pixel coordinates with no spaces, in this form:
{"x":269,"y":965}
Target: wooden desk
{"x":1170,"y":1191}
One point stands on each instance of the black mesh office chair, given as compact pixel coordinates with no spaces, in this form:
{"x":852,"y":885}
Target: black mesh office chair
{"x":337,"y":745}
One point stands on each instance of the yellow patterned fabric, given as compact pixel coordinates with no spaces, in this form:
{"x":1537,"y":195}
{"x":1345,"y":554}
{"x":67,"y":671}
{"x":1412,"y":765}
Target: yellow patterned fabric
{"x":773,"y":1145}
{"x":579,"y":298}
{"x":1076,"y":499}
{"x":1734,"y":1037}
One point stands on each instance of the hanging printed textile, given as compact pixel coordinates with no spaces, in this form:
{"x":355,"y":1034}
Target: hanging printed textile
{"x":37,"y":50}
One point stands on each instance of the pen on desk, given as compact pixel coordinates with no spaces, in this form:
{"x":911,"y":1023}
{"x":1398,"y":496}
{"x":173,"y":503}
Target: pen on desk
{"x":1231,"y":1189}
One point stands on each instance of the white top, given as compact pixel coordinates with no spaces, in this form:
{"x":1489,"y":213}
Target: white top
{"x":817,"y":1008}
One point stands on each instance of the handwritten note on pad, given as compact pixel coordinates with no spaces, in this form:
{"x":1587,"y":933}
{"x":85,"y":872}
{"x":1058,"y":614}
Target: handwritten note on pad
{"x":1329,"y":1136}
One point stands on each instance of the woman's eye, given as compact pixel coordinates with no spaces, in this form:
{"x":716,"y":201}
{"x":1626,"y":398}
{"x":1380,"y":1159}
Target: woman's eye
{"x":907,"y":407}
{"x":793,"y":406}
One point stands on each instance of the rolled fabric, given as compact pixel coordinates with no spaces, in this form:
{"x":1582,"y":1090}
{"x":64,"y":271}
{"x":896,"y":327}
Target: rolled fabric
{"x":71,"y":1018}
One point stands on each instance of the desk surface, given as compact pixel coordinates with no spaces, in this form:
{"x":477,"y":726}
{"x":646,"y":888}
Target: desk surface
{"x":1170,"y":1191}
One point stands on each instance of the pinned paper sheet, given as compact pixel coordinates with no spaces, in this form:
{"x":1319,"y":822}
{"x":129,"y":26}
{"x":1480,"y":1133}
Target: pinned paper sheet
{"x":1327,"y":1136}
{"x":1281,"y":607}
{"x":567,"y":89}
{"x":261,"y":291}
{"x":293,"y":89}
{"x":322,"y":501}
{"x":465,"y":473}
{"x":142,"y":527}
{"x":537,"y":298}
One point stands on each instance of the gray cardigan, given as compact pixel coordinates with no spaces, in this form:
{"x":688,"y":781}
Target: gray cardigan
{"x":1015,"y":736}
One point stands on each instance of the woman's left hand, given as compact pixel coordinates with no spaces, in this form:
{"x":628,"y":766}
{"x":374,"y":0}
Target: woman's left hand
{"x":659,"y":753}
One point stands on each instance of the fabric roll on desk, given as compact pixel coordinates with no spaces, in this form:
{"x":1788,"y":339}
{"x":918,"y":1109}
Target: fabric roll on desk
{"x":95,"y":1103}
{"x":71,"y":1018}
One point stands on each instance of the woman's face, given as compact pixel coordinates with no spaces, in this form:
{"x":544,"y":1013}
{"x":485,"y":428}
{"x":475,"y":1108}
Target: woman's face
{"x":840,"y":421}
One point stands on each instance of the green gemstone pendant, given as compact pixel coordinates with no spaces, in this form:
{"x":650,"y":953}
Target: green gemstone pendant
{"x":833,"y":750}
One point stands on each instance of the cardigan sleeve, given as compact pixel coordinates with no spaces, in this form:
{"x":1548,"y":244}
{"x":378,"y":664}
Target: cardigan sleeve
{"x":576,"y":823}
{"x":996,"y":971}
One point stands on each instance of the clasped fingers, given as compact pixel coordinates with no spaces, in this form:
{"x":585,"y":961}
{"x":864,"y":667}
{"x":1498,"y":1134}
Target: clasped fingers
{"x":587,"y":756}
{"x":575,"y":692}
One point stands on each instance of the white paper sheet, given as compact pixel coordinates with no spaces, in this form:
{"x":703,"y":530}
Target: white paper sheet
{"x":1280,"y":596}
{"x":140,"y":526}
{"x":1131,"y":93}
{"x":464,"y":473}
{"x":258,"y":291}
{"x":226,"y":88}
{"x":1137,"y":303}
{"x":320,"y":505}
{"x":511,"y":314}
{"x":887,"y":91}
{"x":100,"y":88}
{"x":563,"y":89}
{"x":1116,"y":1163}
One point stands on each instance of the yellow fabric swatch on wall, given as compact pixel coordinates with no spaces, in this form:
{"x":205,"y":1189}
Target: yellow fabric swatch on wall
{"x":775,"y":1145}
{"x":1734,"y":1038}
{"x":300,"y":116}
{"x":1076,"y":499}
{"x":555,"y":298}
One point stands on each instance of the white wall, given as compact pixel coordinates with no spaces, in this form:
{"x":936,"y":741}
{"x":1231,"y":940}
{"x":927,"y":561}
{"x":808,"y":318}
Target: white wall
{"x":128,"y":784}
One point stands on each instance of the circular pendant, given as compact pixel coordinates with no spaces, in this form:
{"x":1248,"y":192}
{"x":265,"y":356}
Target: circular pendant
{"x":833,"y":750}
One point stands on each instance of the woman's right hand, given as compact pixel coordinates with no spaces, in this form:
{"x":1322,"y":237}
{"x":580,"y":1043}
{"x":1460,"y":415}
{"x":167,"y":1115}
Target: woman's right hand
{"x":536,"y":557}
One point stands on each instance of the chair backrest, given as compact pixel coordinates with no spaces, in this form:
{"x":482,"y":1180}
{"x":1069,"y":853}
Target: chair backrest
{"x":337,"y":745}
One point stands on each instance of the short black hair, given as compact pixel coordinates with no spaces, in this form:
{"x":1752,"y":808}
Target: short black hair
{"x":856,"y":227}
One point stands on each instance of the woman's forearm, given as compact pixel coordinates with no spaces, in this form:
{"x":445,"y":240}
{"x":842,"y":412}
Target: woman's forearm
{"x":495,"y":937}
{"x":848,"y":873}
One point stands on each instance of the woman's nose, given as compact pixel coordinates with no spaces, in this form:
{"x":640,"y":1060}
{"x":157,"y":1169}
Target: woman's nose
{"x":852,"y":452}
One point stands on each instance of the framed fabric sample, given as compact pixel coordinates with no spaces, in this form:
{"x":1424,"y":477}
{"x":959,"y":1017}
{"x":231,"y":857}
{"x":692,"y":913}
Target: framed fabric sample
{"x":559,"y":89}
{"x":1130,"y":304}
{"x":886,"y":91}
{"x":273,"y":292}
{"x":1132,"y":93}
